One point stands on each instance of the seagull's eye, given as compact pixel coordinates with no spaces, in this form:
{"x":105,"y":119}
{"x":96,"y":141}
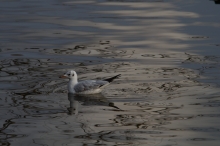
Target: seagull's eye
{"x":68,"y":74}
{"x":72,"y":74}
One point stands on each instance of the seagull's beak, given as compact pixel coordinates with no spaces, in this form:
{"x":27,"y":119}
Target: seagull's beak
{"x":64,"y":77}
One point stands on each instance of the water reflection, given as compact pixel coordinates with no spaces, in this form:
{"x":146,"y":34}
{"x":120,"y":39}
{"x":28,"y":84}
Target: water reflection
{"x":87,"y":100}
{"x":125,"y":24}
{"x":164,"y":93}
{"x":155,"y":101}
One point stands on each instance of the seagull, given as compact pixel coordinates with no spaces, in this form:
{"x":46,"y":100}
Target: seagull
{"x":87,"y":86}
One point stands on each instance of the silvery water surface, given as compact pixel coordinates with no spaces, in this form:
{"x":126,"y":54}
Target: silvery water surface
{"x":167,"y":52}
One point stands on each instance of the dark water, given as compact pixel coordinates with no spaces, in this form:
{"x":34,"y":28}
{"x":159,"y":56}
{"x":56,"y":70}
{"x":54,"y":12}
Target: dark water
{"x":167,"y":52}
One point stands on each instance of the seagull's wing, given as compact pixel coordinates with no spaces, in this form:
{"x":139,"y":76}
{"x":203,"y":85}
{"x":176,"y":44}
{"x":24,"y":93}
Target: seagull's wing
{"x":89,"y":85}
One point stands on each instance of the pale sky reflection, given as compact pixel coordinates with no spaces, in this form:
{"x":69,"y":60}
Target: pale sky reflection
{"x":155,"y":25}
{"x":152,"y":24}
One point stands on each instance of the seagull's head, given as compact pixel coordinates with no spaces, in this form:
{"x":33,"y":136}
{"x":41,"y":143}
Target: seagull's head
{"x":71,"y":74}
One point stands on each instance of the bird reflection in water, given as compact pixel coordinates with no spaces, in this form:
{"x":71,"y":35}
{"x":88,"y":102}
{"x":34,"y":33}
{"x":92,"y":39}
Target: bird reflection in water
{"x":87,"y":100}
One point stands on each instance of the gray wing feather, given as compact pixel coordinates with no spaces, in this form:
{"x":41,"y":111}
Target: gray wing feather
{"x":89,"y":85}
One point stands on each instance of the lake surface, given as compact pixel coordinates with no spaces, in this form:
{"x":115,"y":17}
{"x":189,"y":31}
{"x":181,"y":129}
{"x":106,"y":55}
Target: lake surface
{"x":168,"y":53}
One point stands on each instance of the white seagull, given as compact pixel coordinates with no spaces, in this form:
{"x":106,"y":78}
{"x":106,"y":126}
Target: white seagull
{"x":87,"y":86}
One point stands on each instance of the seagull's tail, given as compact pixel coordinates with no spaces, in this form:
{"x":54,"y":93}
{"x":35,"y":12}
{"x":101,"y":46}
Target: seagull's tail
{"x":112,"y":78}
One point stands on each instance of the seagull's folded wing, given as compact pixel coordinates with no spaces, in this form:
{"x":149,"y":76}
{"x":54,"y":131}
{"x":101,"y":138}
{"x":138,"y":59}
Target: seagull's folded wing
{"x":89,"y":85}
